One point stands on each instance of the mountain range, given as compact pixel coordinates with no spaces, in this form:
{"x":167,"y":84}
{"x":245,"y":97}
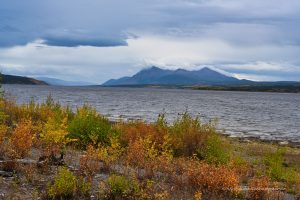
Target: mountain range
{"x":59,"y":82}
{"x":12,"y":79}
{"x":158,"y":76}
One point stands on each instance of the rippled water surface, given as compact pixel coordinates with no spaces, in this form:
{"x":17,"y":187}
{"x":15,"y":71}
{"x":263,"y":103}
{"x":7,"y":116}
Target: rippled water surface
{"x":266,"y":115}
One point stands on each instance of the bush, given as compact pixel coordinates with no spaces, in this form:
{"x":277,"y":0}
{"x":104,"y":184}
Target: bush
{"x":67,"y":186}
{"x":121,"y":187}
{"x":89,"y":127}
{"x":54,"y":134}
{"x":210,"y":179}
{"x":22,"y":138}
{"x":3,"y":131}
{"x":216,"y":150}
{"x":189,"y":136}
{"x":64,"y":185}
{"x":258,"y":188}
{"x":274,"y":163}
{"x":132,"y":131}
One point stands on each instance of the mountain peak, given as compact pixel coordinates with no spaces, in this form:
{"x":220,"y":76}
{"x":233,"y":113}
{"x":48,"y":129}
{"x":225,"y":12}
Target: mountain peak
{"x":153,"y":68}
{"x":206,"y":69}
{"x":157,"y":76}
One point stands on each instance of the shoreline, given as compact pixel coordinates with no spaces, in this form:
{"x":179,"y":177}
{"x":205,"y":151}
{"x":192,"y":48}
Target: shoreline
{"x":283,"y":143}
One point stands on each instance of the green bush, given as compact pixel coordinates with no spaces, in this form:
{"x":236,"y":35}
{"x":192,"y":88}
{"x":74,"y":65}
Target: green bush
{"x":216,"y":150}
{"x":121,"y":187}
{"x":276,"y":170}
{"x":64,"y":185}
{"x":89,"y":127}
{"x":274,"y":163}
{"x":67,"y":186}
{"x":188,"y":135}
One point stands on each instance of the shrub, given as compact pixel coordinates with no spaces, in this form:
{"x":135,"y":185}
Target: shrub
{"x":22,"y":138}
{"x":132,"y":131}
{"x":143,"y":154}
{"x":89,"y":127}
{"x":89,"y":164}
{"x":216,"y":150}
{"x":259,"y":188}
{"x":54,"y":134}
{"x":109,"y":154}
{"x":83,"y":187}
{"x":188,"y":135}
{"x":123,"y":188}
{"x":274,"y":163}
{"x":119,"y":185}
{"x":67,"y":186}
{"x":64,"y":185}
{"x":3,"y":131}
{"x":210,"y":179}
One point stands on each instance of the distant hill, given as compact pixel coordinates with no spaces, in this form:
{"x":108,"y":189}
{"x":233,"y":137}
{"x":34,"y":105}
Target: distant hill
{"x":11,"y":79}
{"x":157,"y":76}
{"x":59,"y":82}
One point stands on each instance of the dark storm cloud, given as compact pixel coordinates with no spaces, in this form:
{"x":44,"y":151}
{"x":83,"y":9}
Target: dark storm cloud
{"x":93,"y":21}
{"x":71,"y":42}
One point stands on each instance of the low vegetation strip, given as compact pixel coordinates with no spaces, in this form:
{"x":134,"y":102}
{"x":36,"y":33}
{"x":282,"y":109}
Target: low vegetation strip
{"x":48,"y":151}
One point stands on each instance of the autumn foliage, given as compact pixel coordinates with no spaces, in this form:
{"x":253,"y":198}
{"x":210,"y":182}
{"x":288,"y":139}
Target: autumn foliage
{"x":185,"y":159}
{"x":22,"y":138}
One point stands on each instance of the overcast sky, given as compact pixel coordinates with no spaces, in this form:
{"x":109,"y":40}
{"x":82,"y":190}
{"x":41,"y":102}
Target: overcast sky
{"x":95,"y":40}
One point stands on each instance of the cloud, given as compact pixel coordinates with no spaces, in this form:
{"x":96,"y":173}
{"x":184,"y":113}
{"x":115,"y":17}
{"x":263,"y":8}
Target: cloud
{"x":73,"y":39}
{"x":71,"y":42}
{"x":95,"y":64}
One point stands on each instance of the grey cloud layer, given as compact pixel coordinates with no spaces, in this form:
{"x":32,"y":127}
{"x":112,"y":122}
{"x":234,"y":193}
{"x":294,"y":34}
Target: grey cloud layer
{"x":240,"y":36}
{"x":105,"y":23}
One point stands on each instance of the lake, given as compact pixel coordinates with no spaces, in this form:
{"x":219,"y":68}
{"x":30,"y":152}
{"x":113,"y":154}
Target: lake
{"x":269,"y":116}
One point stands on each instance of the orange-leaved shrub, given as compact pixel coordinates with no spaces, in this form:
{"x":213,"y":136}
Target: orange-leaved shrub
{"x":145,"y":154}
{"x":210,"y":179}
{"x":89,"y":164}
{"x":22,"y":138}
{"x":132,"y":131}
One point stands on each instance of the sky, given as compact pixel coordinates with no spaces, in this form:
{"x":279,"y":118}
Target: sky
{"x":95,"y":40}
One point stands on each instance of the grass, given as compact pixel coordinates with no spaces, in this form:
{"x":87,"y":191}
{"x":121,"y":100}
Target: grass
{"x":186,"y":159}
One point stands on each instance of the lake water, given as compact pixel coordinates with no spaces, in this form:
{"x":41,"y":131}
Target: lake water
{"x":274,"y":116}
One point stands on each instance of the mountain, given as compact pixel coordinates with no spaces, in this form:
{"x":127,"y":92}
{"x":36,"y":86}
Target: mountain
{"x":157,"y":76}
{"x":11,"y":79}
{"x":59,"y":82}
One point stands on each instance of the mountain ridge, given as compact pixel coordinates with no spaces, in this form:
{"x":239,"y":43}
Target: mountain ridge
{"x":13,"y":79}
{"x":157,"y":76}
{"x":60,"y":82}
